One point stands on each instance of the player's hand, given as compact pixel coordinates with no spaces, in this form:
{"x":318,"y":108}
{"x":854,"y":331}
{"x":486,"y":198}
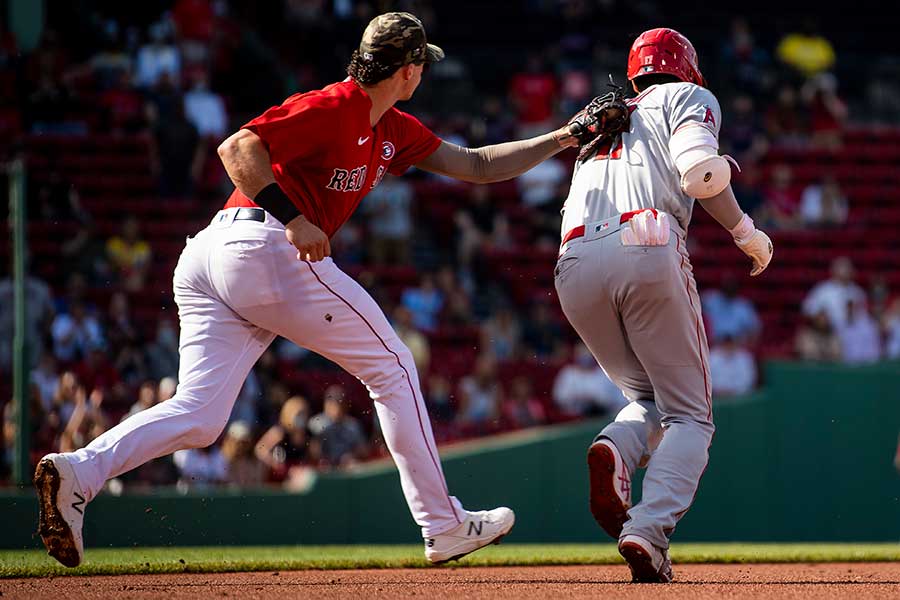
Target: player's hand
{"x":311,"y":242}
{"x":564,"y":137}
{"x":758,"y":247}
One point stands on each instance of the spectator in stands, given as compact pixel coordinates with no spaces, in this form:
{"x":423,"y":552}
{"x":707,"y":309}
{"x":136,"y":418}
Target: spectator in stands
{"x":438,"y":398}
{"x":84,"y":254}
{"x":389,"y":210}
{"x":582,"y":387}
{"x":98,"y":370}
{"x":745,"y":186}
{"x":177,"y":154}
{"x":204,"y":108}
{"x":890,"y":324}
{"x":162,"y":352}
{"x":860,"y":335}
{"x":744,"y":64}
{"x":424,"y":302}
{"x":200,"y":468}
{"x":45,"y":377}
{"x":147,"y":398}
{"x":541,"y":185}
{"x":65,"y":396}
{"x":835,"y":294}
{"x":823,"y":204}
{"x":816,"y":340}
{"x":732,"y":367}
{"x":729,"y":314}
{"x":480,"y":397}
{"x":166,"y":388}
{"x":783,"y":119}
{"x":827,"y":112}
{"x":745,"y":136}
{"x":120,"y":328}
{"x":123,"y":109}
{"x":243,"y":468}
{"x":130,"y":255}
{"x":474,"y":225}
{"x":495,"y":126}
{"x":74,"y":333}
{"x":87,"y":422}
{"x":807,"y":51}
{"x":49,"y":110}
{"x":39,"y":318}
{"x":45,"y":429}
{"x":412,"y":338}
{"x":782,"y":200}
{"x":57,"y":201}
{"x":157,"y":57}
{"x":521,"y":408}
{"x":533,"y":94}
{"x":284,"y":447}
{"x":338,"y":438}
{"x":542,"y":335}
{"x":501,"y":334}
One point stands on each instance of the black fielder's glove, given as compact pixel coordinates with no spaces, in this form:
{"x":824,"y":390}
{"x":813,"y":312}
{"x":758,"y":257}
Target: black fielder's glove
{"x":601,"y":120}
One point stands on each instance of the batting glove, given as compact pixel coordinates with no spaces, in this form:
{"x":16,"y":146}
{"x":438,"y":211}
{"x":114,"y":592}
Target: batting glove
{"x":754,"y":243}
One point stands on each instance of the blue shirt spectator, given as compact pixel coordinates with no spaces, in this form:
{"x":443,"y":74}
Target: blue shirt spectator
{"x":730,"y":315}
{"x":424,"y":302}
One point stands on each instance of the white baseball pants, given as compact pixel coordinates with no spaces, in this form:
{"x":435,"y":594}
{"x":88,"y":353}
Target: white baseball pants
{"x":238,"y":284}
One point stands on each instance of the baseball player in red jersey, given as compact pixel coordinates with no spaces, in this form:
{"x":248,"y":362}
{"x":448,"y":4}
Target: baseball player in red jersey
{"x":626,"y":285}
{"x":262,"y":269}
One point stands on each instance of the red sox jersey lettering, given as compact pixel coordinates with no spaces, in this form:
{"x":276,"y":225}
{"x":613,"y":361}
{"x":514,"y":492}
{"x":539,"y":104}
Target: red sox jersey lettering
{"x":326,"y":180}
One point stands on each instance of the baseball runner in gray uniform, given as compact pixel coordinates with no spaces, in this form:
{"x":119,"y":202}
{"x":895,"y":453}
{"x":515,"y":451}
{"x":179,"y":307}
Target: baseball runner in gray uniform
{"x":625,"y":283}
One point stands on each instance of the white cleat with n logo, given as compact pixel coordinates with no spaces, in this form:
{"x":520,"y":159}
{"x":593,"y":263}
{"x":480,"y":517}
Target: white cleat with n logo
{"x":61,"y":509}
{"x":478,"y":530}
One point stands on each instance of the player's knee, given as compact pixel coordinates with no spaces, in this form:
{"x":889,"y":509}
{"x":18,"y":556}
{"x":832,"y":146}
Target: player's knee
{"x":396,"y":375}
{"x":201,"y":434}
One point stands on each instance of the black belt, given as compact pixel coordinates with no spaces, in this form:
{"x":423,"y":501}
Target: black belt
{"x":250,"y":214}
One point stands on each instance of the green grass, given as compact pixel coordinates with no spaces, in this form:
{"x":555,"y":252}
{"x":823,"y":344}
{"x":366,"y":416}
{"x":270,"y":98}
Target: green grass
{"x":119,"y":561}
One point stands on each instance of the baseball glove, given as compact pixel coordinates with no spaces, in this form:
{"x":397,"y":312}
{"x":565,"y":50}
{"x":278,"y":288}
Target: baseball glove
{"x":601,"y":120}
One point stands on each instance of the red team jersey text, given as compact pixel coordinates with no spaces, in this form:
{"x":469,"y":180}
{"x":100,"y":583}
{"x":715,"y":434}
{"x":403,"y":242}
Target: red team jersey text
{"x":326,"y":156}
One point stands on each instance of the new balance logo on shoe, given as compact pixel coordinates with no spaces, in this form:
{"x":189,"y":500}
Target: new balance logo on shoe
{"x":476,"y":527}
{"x":77,"y":505}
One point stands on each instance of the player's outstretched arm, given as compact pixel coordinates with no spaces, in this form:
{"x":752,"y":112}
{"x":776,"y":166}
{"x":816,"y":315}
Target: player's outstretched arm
{"x":247,"y":163}
{"x":723,"y":207}
{"x":499,"y":162}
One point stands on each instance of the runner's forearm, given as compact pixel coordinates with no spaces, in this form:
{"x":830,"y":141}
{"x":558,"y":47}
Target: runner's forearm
{"x":724,"y":208}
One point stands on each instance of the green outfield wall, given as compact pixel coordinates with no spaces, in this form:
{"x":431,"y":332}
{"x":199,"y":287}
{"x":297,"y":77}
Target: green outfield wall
{"x":810,"y":458}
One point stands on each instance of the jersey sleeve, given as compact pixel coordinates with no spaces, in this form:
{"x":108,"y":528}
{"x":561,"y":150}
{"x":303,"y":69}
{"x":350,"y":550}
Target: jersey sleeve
{"x":694,"y":105}
{"x":292,"y":130}
{"x":415,"y":143}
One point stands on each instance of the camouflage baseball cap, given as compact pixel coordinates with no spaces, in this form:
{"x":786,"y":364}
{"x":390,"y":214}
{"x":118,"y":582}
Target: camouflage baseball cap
{"x":395,"y":39}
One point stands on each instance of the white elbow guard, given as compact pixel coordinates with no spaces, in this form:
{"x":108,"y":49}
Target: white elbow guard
{"x":695,"y":151}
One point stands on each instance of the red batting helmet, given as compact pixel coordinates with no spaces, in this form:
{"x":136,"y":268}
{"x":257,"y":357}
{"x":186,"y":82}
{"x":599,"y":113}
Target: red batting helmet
{"x":664,"y":50}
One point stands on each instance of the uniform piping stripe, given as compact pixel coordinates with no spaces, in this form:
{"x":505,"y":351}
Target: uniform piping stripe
{"x":687,"y":286}
{"x":408,"y":382}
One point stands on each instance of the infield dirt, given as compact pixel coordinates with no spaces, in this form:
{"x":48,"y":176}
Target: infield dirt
{"x":695,"y":582}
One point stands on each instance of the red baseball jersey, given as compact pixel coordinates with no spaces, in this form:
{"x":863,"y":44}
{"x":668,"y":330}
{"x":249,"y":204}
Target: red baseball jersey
{"x":326,"y":156}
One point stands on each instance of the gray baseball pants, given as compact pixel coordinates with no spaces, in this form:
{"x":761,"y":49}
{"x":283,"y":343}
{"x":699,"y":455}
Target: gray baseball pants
{"x":637,"y":310}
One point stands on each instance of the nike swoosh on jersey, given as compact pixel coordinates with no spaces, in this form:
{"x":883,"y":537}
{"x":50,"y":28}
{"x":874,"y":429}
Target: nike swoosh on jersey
{"x":362,"y":141}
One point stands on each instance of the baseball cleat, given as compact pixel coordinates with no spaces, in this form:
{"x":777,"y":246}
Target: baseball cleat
{"x":61,"y":504}
{"x":648,"y":563}
{"x":480,"y":529}
{"x":610,"y":486}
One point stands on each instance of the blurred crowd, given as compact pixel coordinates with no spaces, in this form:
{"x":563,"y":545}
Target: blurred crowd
{"x":183,"y":75}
